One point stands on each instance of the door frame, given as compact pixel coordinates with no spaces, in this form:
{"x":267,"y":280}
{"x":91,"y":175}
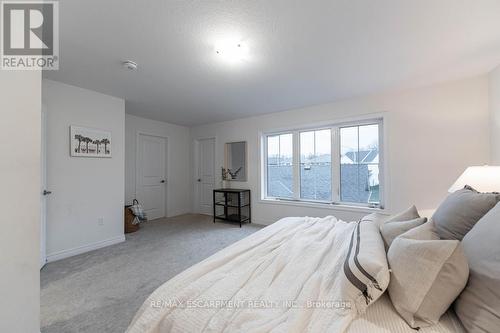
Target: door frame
{"x":43,"y":183}
{"x":137,"y":175}
{"x":196,"y":171}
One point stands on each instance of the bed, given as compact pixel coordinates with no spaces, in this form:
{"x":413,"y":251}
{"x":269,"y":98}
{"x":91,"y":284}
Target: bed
{"x":297,"y":275}
{"x":381,"y":317}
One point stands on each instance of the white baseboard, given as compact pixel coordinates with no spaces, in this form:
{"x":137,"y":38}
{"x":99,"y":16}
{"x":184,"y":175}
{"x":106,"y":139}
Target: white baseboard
{"x":85,"y":248}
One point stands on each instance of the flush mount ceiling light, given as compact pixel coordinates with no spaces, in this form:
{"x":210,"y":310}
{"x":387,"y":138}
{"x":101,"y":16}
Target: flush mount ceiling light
{"x":231,"y":51}
{"x":130,"y":65}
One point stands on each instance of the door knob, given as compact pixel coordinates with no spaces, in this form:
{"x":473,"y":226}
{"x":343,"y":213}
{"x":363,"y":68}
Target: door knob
{"x":45,"y":192}
{"x":163,"y":181}
{"x":199,"y":180}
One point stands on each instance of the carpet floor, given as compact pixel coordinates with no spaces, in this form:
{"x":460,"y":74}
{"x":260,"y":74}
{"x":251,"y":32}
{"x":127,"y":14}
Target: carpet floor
{"x":100,"y":291}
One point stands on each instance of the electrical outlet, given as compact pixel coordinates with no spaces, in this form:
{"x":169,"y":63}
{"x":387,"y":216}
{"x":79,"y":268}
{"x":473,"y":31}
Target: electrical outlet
{"x":100,"y":221}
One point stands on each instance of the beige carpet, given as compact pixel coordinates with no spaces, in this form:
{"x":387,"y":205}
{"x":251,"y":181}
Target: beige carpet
{"x":100,"y":291}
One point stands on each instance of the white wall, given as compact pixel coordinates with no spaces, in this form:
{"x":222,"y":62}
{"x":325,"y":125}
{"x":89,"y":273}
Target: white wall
{"x":495,"y":115}
{"x":178,"y":159}
{"x":20,"y":97}
{"x":432,"y":135}
{"x":84,"y":189}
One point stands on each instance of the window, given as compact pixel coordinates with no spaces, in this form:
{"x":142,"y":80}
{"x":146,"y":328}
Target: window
{"x":316,"y":165}
{"x":359,"y":164}
{"x":279,"y":166}
{"x":333,"y":164}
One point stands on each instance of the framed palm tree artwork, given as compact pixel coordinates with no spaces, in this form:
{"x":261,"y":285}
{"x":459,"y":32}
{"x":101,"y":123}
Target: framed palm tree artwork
{"x":89,"y":142}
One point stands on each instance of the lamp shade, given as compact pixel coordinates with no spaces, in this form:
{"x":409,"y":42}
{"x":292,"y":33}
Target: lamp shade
{"x":481,"y":178}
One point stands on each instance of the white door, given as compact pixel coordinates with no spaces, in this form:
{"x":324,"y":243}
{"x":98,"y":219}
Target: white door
{"x":206,"y":175}
{"x":151,"y":175}
{"x":43,"y":190}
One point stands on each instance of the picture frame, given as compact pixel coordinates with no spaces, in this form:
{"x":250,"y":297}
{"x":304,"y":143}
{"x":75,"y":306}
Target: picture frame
{"x":90,"y":142}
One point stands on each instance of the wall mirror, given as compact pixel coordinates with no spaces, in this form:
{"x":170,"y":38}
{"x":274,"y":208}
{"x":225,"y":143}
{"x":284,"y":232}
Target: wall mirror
{"x":236,"y":161}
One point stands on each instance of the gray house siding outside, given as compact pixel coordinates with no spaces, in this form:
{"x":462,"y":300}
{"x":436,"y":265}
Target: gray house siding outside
{"x":316,"y":180}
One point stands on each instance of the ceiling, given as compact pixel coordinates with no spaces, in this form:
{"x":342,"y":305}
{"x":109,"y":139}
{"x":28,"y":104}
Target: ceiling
{"x":300,"y":52}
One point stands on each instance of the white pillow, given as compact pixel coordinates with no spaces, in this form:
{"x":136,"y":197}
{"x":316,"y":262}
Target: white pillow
{"x":376,"y":218}
{"x":365,"y":267}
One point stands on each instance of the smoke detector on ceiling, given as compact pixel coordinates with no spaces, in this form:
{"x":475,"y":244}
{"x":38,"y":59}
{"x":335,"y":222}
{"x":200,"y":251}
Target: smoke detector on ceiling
{"x":130,"y":65}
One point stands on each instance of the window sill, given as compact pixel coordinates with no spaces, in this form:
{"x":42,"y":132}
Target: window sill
{"x":319,"y":205}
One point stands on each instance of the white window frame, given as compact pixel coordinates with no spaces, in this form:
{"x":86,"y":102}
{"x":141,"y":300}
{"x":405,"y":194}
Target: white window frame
{"x":335,"y":147}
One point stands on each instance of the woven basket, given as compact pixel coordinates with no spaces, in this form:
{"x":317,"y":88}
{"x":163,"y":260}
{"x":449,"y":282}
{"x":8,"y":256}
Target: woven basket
{"x":129,"y":217}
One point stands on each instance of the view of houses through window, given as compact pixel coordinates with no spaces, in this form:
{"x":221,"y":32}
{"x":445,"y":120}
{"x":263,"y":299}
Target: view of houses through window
{"x":357,"y":165}
{"x":316,"y":165}
{"x":279,"y":166}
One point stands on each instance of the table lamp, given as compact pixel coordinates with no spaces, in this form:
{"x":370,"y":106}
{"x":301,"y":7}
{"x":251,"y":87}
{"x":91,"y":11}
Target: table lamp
{"x":481,"y":178}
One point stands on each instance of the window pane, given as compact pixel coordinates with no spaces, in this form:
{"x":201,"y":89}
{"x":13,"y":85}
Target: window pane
{"x":359,"y":169}
{"x":349,"y":144}
{"x":316,"y":165}
{"x":368,"y":138}
{"x":279,"y":166}
{"x":273,"y":149}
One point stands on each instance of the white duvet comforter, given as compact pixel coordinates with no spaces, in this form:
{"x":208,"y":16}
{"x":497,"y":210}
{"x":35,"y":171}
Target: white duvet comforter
{"x":287,"y":277}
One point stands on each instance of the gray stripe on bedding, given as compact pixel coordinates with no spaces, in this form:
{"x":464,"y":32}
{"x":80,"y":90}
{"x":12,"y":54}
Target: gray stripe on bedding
{"x":356,"y":260}
{"x":347,"y":269}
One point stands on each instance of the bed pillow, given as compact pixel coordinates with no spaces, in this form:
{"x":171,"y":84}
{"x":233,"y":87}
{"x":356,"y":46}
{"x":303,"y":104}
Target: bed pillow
{"x":375,"y":218}
{"x":409,"y":214}
{"x":366,"y":273}
{"x":478,"y":307}
{"x":392,"y":229}
{"x":427,"y":275}
{"x":399,"y":224}
{"x":461,"y":210}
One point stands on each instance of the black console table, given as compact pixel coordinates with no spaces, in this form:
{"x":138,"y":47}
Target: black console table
{"x":233,"y":205}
